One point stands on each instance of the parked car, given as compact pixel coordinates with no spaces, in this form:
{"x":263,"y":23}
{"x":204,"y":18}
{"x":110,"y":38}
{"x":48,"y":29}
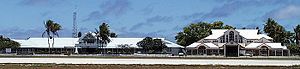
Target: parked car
{"x":181,"y":54}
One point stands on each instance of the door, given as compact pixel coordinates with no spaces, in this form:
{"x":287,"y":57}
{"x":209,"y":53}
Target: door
{"x":232,"y":51}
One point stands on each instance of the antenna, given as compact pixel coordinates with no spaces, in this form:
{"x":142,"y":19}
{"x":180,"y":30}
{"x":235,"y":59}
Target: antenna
{"x":74,"y":34}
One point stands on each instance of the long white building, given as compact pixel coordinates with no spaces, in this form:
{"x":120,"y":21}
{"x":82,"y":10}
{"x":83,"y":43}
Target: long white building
{"x":237,"y":42}
{"x":87,"y":45}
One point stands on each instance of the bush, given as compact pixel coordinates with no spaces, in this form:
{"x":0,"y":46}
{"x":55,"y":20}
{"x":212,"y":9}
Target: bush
{"x":294,"y":49}
{"x":7,"y":43}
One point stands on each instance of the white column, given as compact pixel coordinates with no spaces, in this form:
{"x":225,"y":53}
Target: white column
{"x":289,"y":52}
{"x":197,"y":51}
{"x":218,"y":51}
{"x":206,"y":51}
{"x":224,"y":50}
{"x":192,"y":51}
{"x":259,"y":52}
{"x":252,"y":52}
{"x":117,"y":51}
{"x":238,"y":51}
{"x":76,"y":50}
{"x":268,"y":52}
{"x":112,"y":50}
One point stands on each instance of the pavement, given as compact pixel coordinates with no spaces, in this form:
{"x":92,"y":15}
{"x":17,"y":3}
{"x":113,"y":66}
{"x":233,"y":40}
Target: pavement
{"x":247,"y":62}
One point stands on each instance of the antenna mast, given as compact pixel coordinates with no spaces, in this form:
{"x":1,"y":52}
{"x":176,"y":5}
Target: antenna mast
{"x":75,"y":31}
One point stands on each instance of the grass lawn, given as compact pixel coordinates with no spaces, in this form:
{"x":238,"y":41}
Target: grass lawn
{"x":101,"y":66}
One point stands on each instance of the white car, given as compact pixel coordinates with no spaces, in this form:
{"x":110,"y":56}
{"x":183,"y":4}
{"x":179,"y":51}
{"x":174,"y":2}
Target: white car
{"x":181,"y":54}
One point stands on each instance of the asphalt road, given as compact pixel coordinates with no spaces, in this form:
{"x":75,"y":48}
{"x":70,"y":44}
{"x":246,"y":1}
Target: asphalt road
{"x":153,"y":61}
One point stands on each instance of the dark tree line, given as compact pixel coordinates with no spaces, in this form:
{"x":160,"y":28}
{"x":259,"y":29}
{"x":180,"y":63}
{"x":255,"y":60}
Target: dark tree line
{"x":279,"y":34}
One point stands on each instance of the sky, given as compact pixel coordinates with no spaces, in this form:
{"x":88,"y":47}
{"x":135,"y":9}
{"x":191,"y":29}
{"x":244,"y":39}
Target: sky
{"x":141,"y":18}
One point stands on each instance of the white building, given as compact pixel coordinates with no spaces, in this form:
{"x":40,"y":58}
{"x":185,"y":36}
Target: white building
{"x":236,"y":42}
{"x":87,"y":45}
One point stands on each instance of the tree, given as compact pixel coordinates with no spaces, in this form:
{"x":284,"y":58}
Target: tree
{"x":158,"y":45}
{"x":294,"y":49}
{"x":151,"y":45}
{"x":193,"y":33}
{"x":48,"y":26}
{"x":8,"y":43}
{"x":276,"y":31}
{"x":51,"y":31}
{"x":113,"y":35}
{"x":297,"y":34}
{"x":216,"y":25}
{"x":79,"y":34}
{"x":228,"y":27}
{"x":259,"y":31}
{"x":197,"y":31}
{"x":103,"y":35}
{"x":56,"y":27}
{"x":146,"y":43}
{"x":288,"y":38}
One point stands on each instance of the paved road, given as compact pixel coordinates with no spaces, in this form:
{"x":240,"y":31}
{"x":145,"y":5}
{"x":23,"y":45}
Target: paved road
{"x":153,"y":61}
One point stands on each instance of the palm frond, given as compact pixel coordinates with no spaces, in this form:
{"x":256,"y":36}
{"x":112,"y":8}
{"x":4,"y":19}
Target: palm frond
{"x":97,"y":31}
{"x":43,"y":33}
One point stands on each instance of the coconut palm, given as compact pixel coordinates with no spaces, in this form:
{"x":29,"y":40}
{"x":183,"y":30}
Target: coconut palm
{"x":51,"y":31}
{"x":103,"y":35}
{"x":48,"y":25}
{"x":56,"y":27}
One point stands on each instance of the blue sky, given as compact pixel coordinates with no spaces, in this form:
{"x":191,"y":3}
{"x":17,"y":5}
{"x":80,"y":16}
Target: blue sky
{"x":141,"y":18}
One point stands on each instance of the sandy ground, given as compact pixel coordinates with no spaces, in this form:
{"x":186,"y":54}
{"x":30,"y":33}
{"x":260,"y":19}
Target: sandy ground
{"x":247,"y":62}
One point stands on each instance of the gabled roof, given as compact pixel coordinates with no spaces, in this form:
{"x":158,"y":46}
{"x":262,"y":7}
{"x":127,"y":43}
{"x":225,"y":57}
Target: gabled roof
{"x":246,"y":33}
{"x":216,"y":33}
{"x":271,"y":45}
{"x":171,"y":44}
{"x":131,"y":42}
{"x":207,"y":45}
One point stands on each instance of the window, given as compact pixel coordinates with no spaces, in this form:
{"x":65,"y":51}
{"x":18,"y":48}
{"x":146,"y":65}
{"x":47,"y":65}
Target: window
{"x":215,"y":41}
{"x":226,"y":38}
{"x":222,"y":39}
{"x":264,"y":48}
{"x":89,"y":38}
{"x":249,"y":41}
{"x":231,"y":36}
{"x":241,"y":39}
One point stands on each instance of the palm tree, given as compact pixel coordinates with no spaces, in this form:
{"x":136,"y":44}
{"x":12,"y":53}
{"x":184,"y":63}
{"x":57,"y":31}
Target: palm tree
{"x":56,"y":27}
{"x":51,"y":31}
{"x":48,"y":25}
{"x":103,"y":35}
